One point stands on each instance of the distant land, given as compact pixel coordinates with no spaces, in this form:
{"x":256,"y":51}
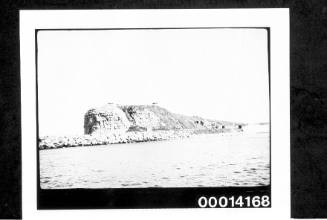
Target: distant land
{"x":114,"y":124}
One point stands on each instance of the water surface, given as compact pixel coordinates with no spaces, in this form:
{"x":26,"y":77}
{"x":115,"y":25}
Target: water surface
{"x":230,"y":159}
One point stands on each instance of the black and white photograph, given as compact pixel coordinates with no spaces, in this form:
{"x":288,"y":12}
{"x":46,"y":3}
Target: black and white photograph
{"x":154,"y":108}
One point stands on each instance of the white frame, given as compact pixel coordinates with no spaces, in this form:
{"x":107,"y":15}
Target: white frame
{"x":278,"y":22}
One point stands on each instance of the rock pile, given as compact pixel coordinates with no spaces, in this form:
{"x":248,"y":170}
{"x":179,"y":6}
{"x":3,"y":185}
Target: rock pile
{"x":49,"y":142}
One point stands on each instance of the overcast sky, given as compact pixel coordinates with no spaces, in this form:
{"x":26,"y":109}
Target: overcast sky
{"x":214,"y":73}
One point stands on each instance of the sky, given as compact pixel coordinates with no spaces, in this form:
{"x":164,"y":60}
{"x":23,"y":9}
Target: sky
{"x":217,"y":74}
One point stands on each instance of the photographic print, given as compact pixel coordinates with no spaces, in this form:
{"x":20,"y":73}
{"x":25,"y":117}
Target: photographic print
{"x":127,"y":112}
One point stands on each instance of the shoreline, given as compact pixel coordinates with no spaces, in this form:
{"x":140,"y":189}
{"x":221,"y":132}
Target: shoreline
{"x":52,"y":142}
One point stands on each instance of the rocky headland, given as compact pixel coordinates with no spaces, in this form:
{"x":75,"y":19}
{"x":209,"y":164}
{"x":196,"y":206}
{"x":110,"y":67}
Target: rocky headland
{"x":114,"y":124}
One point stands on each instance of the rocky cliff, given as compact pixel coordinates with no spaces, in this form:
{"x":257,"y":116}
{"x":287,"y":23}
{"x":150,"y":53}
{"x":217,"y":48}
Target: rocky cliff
{"x":113,"y":118}
{"x":114,"y":124}
{"x":109,"y":118}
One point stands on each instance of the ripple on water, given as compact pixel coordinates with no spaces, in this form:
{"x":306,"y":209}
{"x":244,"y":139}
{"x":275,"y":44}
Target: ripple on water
{"x":136,"y":184}
{"x":98,"y":171}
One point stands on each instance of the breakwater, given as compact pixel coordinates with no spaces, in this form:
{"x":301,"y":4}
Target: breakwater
{"x":54,"y":142}
{"x":51,"y":142}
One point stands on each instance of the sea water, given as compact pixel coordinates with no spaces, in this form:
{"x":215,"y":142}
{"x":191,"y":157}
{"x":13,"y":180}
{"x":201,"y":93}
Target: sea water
{"x":212,"y":160}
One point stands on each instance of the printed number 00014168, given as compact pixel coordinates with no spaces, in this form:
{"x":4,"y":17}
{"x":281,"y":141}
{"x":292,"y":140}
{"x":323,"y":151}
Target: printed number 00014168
{"x":233,"y":202}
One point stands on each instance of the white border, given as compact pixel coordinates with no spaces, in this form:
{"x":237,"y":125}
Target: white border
{"x":276,"y":19}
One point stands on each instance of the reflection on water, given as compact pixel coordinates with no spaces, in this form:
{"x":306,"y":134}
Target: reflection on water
{"x":237,"y":159}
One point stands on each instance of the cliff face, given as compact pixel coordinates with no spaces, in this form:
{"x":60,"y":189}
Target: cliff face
{"x":123,"y":118}
{"x":109,"y":118}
